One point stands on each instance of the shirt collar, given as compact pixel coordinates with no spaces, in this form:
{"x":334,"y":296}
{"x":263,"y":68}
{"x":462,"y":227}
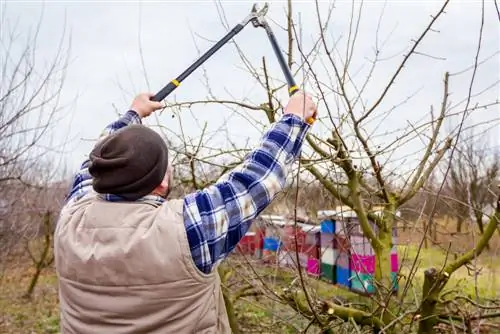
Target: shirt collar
{"x":148,"y":198}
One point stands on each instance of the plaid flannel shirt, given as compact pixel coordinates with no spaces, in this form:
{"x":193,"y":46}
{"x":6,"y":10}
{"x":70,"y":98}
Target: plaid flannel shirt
{"x":217,"y":217}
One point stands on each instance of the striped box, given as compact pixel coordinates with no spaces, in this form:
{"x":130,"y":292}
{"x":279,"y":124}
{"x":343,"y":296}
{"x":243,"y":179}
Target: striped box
{"x":311,"y":249}
{"x":354,"y":266}
{"x":328,"y":264}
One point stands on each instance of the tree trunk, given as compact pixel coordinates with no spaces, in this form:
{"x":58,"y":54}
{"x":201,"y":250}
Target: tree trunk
{"x":460,"y":222}
{"x":433,"y":284}
{"x":383,"y":261}
{"x":233,"y":321}
{"x":479,"y":220}
{"x":434,"y":233}
{"x":480,"y":225}
{"x":226,"y":293}
{"x":424,"y":227}
{"x":44,"y":261}
{"x":34,"y":280}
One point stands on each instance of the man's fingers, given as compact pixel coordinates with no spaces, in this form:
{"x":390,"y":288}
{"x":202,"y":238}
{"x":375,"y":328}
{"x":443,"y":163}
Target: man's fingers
{"x":160,"y":104}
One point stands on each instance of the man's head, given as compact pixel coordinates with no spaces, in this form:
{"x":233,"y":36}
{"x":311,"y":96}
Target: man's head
{"x":131,"y":163}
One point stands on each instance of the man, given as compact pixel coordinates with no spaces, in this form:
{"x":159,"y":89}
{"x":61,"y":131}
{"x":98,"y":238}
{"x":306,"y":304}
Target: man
{"x":129,"y":260}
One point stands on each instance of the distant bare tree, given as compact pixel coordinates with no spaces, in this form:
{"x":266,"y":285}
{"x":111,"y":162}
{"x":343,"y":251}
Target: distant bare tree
{"x":30,"y":108}
{"x":30,"y":92}
{"x":473,"y":180}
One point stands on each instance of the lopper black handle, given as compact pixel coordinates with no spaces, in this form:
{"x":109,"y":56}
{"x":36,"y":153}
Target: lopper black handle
{"x":172,"y":85}
{"x":292,"y":86}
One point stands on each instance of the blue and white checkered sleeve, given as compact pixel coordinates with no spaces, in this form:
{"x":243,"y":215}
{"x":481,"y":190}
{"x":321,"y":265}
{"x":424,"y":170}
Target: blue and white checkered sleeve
{"x":218,"y":216}
{"x":82,"y":181}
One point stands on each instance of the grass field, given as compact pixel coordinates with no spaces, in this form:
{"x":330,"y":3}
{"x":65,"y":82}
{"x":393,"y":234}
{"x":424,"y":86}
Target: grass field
{"x":255,"y":315}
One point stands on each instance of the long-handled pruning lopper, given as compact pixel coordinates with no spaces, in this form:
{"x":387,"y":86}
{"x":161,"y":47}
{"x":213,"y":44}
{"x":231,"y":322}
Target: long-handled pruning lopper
{"x":257,"y":18}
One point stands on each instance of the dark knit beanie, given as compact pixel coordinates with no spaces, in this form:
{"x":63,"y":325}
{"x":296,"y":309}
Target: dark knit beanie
{"x":129,"y":163}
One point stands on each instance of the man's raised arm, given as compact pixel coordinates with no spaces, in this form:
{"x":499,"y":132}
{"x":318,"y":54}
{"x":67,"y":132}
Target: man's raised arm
{"x":218,"y":216}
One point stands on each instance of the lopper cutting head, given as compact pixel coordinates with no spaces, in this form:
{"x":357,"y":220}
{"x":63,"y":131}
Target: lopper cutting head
{"x":258,"y":19}
{"x":256,"y":16}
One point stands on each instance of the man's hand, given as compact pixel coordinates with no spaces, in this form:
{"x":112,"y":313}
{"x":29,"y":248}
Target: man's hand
{"x":302,"y":105}
{"x":143,"y":106}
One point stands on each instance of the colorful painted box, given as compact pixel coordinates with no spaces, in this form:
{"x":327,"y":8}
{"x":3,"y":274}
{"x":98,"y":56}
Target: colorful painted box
{"x":394,"y":263}
{"x":328,"y":255}
{"x":362,"y":282}
{"x":363,"y":263}
{"x":342,"y":276}
{"x":313,"y":267}
{"x":328,"y":272}
{"x":328,"y":226}
{"x":247,"y":244}
{"x":271,"y":244}
{"x":270,"y":249}
{"x":327,"y":240}
{"x":286,"y":259}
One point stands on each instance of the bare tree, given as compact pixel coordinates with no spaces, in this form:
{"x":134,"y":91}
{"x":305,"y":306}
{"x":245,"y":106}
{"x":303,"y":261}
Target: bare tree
{"x":473,"y":179}
{"x":30,"y":108}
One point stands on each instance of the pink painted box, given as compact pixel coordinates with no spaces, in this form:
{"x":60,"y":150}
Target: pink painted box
{"x":365,"y":264}
{"x":394,"y":262}
{"x":313,"y":267}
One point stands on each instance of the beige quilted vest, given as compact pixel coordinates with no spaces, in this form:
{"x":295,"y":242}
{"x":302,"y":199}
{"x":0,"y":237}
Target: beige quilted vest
{"x":126,"y":268}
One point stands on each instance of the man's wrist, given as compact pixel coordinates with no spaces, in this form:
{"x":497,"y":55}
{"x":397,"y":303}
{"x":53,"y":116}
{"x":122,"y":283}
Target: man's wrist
{"x":135,"y":115}
{"x":296,"y":118}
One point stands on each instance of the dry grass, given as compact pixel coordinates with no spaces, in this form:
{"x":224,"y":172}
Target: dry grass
{"x":255,"y":315}
{"x":36,"y":315}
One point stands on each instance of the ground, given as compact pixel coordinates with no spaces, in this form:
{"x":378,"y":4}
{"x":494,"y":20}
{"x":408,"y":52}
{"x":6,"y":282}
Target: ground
{"x":262,"y":315}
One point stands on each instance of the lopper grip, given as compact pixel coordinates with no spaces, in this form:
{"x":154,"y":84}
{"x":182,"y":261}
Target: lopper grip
{"x":292,"y":86}
{"x":165,"y":91}
{"x":294,"y":89}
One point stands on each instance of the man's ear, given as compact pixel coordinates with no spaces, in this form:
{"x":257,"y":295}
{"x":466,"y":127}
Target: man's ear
{"x":162,"y":187}
{"x":165,"y":183}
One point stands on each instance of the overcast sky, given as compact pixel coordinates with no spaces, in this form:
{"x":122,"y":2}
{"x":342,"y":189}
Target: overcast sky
{"x":106,"y":69}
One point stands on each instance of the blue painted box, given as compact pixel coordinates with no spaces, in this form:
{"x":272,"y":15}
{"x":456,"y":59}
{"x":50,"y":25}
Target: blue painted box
{"x":342,"y":275}
{"x":271,"y":244}
{"x":328,"y":226}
